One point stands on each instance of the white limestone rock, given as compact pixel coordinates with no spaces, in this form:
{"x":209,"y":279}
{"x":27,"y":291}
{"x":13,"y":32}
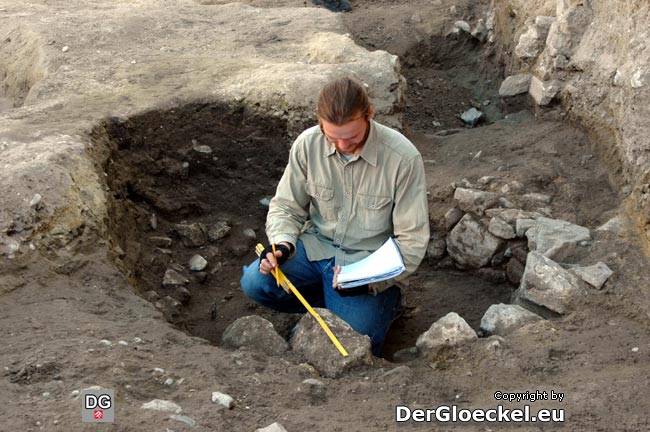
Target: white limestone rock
{"x":313,"y":343}
{"x":614,"y":226}
{"x":554,"y":238}
{"x":449,"y":331}
{"x":543,"y":92}
{"x":173,"y":278}
{"x":162,"y":405}
{"x":275,"y":427}
{"x":470,"y":244}
{"x":514,"y":85}
{"x":452,"y":216}
{"x":198,"y":263}
{"x":475,"y":201}
{"x":223,"y":399}
{"x":463,"y":25}
{"x":502,"y":319}
{"x":545,"y":283}
{"x":254,"y":332}
{"x":501,"y":229}
{"x":595,"y":275}
{"x":532,"y":41}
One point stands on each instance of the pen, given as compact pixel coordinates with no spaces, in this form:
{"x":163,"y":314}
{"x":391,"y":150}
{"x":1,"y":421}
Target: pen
{"x":275,"y":270}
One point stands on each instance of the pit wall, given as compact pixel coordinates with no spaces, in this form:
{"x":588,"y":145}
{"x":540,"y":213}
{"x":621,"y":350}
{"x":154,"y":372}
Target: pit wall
{"x":21,"y":64}
{"x":597,"y":54}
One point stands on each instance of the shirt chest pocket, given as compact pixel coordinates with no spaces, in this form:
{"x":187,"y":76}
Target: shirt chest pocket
{"x":323,"y":204}
{"x":375,"y":212}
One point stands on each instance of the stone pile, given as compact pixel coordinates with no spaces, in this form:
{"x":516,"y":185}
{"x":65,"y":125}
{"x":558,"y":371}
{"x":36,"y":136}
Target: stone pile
{"x":547,"y":47}
{"x":309,"y":340}
{"x":499,"y":232}
{"x":179,"y":277}
{"x":494,"y":224}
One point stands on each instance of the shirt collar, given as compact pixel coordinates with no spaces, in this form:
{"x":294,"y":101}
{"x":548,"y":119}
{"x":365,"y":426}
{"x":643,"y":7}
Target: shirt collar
{"x":368,"y":151}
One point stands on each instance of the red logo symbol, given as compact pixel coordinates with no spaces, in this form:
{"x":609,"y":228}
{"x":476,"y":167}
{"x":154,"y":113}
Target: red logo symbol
{"x":98,"y":414}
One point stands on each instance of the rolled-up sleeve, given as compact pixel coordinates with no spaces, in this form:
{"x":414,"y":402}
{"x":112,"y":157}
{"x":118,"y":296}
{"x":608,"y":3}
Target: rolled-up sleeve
{"x":411,"y":214}
{"x":289,"y":208}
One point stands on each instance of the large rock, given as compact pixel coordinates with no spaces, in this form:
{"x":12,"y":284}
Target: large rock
{"x":613,"y":226}
{"x":192,"y":235}
{"x":452,"y":216}
{"x":511,"y":215}
{"x":254,"y":332}
{"x":172,"y":278}
{"x":312,"y":342}
{"x":532,"y":41}
{"x":475,"y":201}
{"x":218,"y":230}
{"x":595,"y":275}
{"x":470,"y":244}
{"x":502,"y":319}
{"x":553,"y":238}
{"x":514,"y":85}
{"x":545,"y":283}
{"x":449,"y":331}
{"x":501,"y":229}
{"x":543,"y":92}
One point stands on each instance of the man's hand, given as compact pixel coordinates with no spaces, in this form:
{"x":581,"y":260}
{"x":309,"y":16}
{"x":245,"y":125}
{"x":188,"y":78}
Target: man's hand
{"x":346,"y":292}
{"x":268,"y":261}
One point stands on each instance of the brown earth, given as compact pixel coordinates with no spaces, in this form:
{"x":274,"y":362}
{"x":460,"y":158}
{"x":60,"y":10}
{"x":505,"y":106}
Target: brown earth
{"x":54,"y":315}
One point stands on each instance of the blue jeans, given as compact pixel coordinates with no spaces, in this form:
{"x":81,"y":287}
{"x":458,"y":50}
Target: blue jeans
{"x":367,"y":314}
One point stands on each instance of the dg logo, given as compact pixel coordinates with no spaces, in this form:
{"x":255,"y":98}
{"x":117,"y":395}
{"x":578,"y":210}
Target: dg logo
{"x":98,"y":406}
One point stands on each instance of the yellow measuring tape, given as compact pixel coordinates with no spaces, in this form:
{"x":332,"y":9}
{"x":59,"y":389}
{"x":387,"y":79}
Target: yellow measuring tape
{"x":288,"y":286}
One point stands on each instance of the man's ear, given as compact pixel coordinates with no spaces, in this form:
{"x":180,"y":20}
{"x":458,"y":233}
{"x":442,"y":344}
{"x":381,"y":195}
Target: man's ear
{"x":370,"y":112}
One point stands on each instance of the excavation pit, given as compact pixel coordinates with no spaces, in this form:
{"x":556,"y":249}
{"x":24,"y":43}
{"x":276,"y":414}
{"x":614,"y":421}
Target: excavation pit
{"x":191,"y":181}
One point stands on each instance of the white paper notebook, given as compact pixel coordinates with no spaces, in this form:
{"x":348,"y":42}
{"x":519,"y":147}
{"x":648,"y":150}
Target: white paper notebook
{"x":384,"y":263}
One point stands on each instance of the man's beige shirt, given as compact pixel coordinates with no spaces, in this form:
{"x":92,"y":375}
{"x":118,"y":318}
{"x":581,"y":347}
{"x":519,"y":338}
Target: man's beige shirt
{"x":348,"y":209}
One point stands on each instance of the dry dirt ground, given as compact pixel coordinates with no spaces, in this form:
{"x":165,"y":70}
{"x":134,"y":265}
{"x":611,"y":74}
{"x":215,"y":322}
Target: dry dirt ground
{"x":53,"y":317}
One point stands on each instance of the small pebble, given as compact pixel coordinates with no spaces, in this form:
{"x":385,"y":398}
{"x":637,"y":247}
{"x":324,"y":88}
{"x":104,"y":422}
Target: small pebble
{"x":198,"y":263}
{"x":223,"y":399}
{"x":635,"y":349}
{"x":162,"y":405}
{"x":250,"y":233}
{"x":169,"y":381}
{"x":65,"y":48}
{"x":183,"y":419}
{"x":106,"y":342}
{"x":36,"y":200}
{"x":123,"y":343}
{"x":265,"y":202}
{"x":153,"y":221}
{"x":159,"y":370}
